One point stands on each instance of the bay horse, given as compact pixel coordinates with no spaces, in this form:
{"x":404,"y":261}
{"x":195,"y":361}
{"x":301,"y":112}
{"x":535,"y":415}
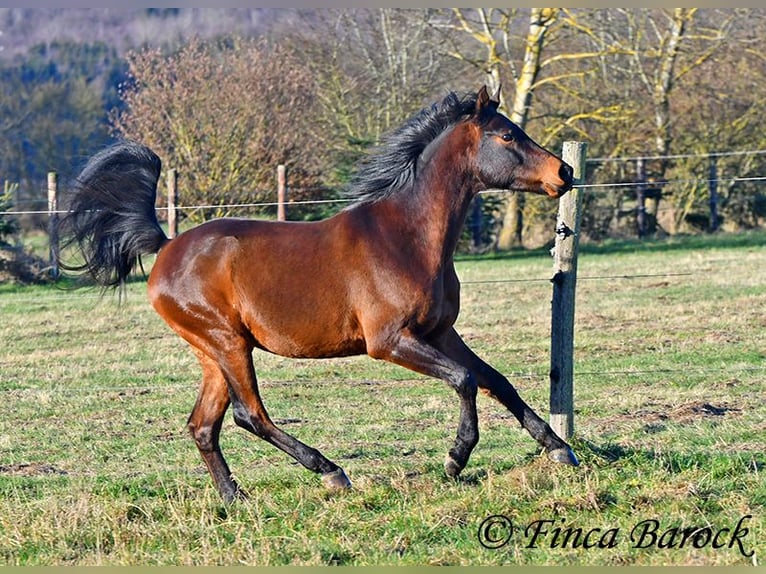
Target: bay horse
{"x":376,"y":278}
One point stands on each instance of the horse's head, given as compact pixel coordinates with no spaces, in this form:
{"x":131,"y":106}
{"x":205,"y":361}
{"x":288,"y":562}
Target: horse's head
{"x":507,"y":158}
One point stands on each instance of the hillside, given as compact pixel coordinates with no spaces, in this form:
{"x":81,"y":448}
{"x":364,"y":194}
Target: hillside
{"x":22,"y":28}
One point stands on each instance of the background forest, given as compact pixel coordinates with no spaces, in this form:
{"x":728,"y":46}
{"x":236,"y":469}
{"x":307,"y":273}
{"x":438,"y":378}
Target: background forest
{"x":669,"y":101}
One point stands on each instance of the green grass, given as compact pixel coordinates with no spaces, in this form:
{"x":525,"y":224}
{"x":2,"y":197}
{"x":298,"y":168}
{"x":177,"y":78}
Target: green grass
{"x":96,"y":466}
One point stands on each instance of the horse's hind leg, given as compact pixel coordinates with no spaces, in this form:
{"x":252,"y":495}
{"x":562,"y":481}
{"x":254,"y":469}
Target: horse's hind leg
{"x":205,"y":426}
{"x":250,"y":414}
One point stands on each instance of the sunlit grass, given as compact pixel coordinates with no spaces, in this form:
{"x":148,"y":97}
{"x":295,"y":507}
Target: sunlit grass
{"x":96,"y":466}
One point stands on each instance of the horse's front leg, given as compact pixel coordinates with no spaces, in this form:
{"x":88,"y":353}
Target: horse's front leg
{"x":409,"y":351}
{"x":497,"y":386}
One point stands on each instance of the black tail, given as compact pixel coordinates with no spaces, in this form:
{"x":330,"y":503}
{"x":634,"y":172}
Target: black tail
{"x":111,"y":217}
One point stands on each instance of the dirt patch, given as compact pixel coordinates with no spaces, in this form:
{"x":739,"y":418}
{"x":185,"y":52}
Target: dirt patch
{"x":688,"y":412}
{"x":655,"y":416}
{"x":700,"y":408}
{"x":30,"y":469}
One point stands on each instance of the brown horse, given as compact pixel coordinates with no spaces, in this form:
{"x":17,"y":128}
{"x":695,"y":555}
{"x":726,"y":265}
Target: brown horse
{"x":376,"y":278}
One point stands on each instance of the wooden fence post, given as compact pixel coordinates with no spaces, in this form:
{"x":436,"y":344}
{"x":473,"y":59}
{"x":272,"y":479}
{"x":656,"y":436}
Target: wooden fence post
{"x":641,"y":197}
{"x":715,"y":221}
{"x":563,"y":303}
{"x":281,"y":192}
{"x":172,"y":185}
{"x":53,"y":223}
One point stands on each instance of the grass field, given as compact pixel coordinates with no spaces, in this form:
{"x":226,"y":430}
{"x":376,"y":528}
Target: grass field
{"x":96,"y":467}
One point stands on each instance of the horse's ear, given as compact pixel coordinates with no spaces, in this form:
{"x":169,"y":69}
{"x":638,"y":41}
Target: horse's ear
{"x":482,"y":100}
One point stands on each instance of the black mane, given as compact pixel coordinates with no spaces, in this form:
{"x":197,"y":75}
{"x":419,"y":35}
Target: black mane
{"x":391,"y":167}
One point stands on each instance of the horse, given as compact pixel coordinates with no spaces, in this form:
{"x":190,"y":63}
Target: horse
{"x":376,"y":278}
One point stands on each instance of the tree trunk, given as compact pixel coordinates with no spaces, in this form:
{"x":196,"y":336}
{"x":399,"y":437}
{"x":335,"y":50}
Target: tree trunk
{"x":513,"y":224}
{"x":540,"y":21}
{"x":661,"y":94}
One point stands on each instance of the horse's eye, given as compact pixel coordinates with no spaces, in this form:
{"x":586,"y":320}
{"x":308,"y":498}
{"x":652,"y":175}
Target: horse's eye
{"x":507,"y":137}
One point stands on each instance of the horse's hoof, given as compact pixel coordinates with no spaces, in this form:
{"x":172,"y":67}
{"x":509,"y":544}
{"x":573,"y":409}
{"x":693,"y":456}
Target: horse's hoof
{"x":336,"y":480}
{"x":451,"y":467}
{"x":564,"y":455}
{"x":232,"y":494}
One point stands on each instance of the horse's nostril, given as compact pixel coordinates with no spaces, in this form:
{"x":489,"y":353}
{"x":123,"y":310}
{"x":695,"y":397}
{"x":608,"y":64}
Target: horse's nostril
{"x":566,"y":172}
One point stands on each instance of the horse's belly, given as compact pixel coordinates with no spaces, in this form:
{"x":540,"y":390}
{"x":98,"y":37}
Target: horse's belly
{"x":306,"y":336}
{"x":301,"y":348}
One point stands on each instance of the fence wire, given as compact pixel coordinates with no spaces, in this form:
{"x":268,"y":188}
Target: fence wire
{"x":596,"y":187}
{"x":6,"y":300}
{"x":715,"y":154}
{"x":191,"y":386}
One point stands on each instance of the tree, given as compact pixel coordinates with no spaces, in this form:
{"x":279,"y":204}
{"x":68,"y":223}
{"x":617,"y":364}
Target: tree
{"x":9,"y":226}
{"x":51,"y":115}
{"x":490,"y":28}
{"x":533,"y":52}
{"x":717,"y":120}
{"x":661,"y":54}
{"x":540,"y":21}
{"x":373,"y":68}
{"x":224,"y":113}
{"x":17,"y":264}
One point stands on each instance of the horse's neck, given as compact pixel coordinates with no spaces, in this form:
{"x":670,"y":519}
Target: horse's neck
{"x":432,"y":215}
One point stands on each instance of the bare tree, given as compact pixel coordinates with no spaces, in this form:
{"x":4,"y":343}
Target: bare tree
{"x":540,"y":21}
{"x":655,"y":42}
{"x":664,"y":47}
{"x":373,"y":68}
{"x":716,"y":122}
{"x":225,"y":114}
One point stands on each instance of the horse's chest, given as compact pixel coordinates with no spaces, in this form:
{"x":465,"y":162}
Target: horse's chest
{"x":439,"y":306}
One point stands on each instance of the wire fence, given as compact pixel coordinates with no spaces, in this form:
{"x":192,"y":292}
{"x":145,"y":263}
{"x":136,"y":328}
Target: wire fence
{"x":594,"y":187}
{"x":388,"y":381}
{"x":714,"y":154}
{"x":264,"y":204}
{"x":7,"y":300}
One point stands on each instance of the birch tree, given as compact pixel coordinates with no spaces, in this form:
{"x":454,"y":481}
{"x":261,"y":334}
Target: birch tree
{"x":491,"y":31}
{"x":514,"y":48}
{"x":540,"y":22}
{"x":664,"y":47}
{"x":712,"y":110}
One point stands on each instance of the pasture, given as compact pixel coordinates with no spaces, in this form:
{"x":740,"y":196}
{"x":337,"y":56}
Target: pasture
{"x":96,"y":467}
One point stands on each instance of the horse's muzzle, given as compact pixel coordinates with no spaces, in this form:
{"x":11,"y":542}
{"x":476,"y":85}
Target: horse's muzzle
{"x":566,"y":177}
{"x":566,"y":173}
